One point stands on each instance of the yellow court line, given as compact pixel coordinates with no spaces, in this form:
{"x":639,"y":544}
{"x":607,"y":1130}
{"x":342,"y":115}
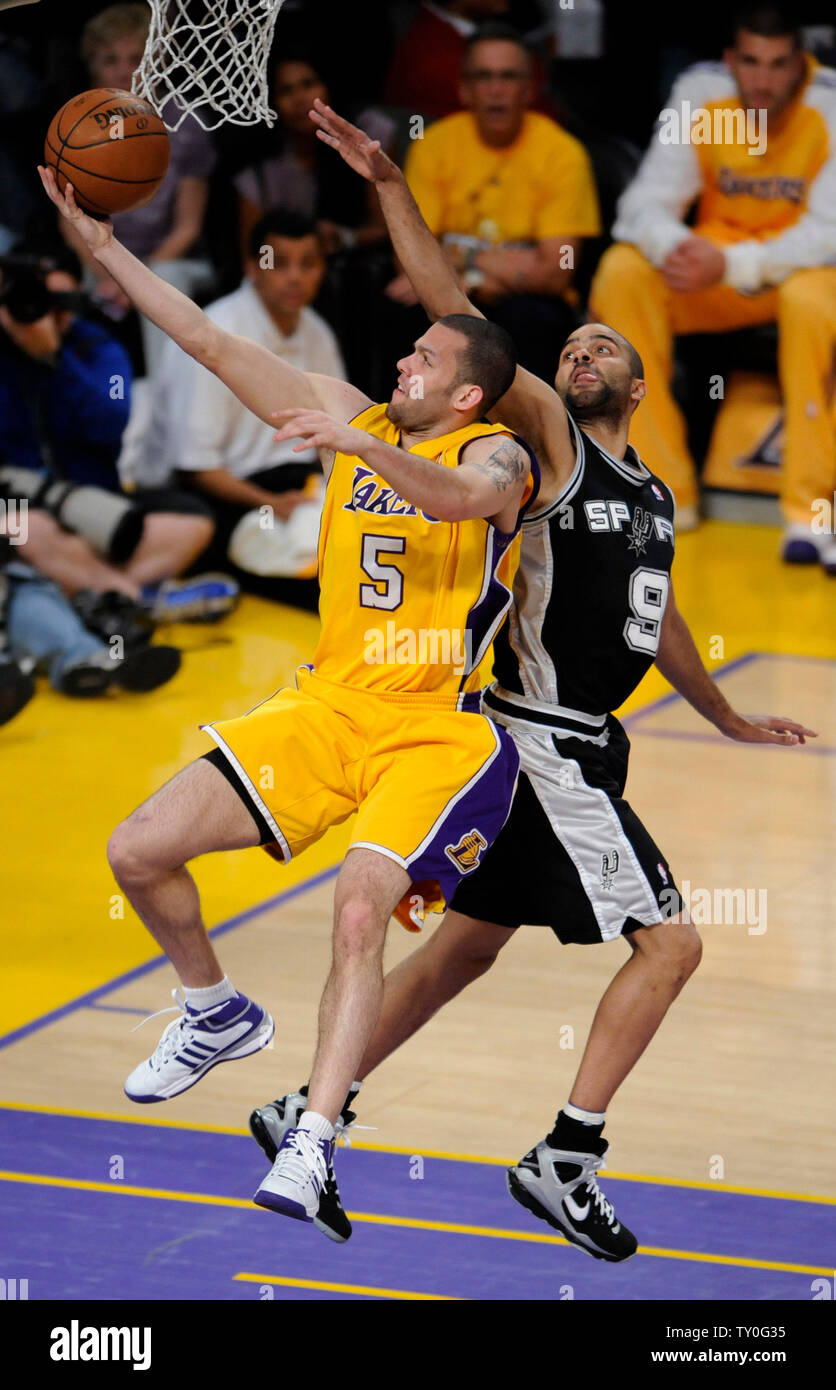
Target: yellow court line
{"x":188,"y":1125}
{"x":344,"y":1288}
{"x":405,"y":1222}
{"x":142,"y":1119}
{"x":127,"y":1190}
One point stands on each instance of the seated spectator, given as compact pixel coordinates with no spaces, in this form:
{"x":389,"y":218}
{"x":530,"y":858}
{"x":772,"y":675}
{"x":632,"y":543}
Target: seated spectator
{"x":299,"y":176}
{"x":64,"y":400}
{"x":511,"y":194}
{"x":200,"y":430}
{"x":45,"y":633}
{"x":166,"y":232}
{"x":762,"y":249}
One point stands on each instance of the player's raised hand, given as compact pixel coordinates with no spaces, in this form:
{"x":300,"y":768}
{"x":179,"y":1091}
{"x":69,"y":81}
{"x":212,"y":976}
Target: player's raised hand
{"x":318,"y":430}
{"x":366,"y":157}
{"x":769,"y":728}
{"x":94,"y":233}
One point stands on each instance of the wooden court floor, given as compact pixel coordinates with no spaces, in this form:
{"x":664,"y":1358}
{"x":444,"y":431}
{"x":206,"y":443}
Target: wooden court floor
{"x":735,"y":1092}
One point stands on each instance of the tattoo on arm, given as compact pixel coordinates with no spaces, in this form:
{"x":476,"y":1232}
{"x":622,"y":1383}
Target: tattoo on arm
{"x":505,"y":466}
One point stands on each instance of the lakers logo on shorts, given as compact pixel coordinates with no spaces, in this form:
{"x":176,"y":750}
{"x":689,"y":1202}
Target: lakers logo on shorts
{"x":465,"y":855}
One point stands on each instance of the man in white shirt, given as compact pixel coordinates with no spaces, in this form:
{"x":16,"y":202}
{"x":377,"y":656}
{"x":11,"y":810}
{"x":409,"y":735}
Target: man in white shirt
{"x":266,"y":498}
{"x":752,"y":141}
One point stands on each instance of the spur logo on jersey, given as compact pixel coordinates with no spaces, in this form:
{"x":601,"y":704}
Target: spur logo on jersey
{"x":611,"y":516}
{"x":609,"y":869}
{"x":369,"y":494}
{"x":641,"y":529}
{"x":465,"y":855}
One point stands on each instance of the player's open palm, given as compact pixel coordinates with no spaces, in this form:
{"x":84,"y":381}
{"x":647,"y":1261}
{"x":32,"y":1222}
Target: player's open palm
{"x":770,"y":728}
{"x":365,"y":156}
{"x":93,"y":232}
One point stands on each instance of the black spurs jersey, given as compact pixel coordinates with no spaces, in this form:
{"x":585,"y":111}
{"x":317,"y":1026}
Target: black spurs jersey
{"x":591,"y":588}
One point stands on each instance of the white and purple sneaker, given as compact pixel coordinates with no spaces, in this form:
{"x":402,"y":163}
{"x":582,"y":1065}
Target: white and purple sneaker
{"x":294,"y":1184}
{"x":800,"y":545}
{"x":195,"y":1042}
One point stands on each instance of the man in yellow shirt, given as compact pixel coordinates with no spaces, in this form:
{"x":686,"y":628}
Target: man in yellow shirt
{"x":510,"y":194}
{"x":752,"y":141}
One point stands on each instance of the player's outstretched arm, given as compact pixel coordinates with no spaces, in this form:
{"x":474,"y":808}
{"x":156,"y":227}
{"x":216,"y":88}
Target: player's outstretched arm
{"x":679,"y":661}
{"x":489,"y":482}
{"x":531,"y":408}
{"x":415,"y":246}
{"x":260,"y":379}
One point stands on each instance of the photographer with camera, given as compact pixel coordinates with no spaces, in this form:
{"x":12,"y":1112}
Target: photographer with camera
{"x":64,"y":403}
{"x":41,"y":631}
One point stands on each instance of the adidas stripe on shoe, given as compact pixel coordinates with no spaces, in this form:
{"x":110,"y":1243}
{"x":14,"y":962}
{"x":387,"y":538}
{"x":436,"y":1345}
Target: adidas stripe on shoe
{"x":195,"y":1042}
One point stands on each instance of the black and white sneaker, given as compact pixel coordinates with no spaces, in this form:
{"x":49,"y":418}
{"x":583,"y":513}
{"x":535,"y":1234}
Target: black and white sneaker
{"x":269,"y":1125}
{"x":559,"y":1186}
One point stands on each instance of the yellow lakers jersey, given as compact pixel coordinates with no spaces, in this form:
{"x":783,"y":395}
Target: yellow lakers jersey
{"x":409,"y":604}
{"x":756,"y":187}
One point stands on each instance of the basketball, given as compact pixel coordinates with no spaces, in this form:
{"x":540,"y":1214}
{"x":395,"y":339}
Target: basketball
{"x":112,"y":147}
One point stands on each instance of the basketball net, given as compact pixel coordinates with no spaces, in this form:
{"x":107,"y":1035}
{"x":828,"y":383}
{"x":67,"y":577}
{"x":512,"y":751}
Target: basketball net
{"x":211,"y":57}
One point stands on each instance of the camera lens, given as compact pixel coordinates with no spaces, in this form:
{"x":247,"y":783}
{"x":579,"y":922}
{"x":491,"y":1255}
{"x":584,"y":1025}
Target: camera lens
{"x":26,"y":297}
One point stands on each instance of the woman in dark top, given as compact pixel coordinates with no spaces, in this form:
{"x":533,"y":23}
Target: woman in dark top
{"x":299,"y":174}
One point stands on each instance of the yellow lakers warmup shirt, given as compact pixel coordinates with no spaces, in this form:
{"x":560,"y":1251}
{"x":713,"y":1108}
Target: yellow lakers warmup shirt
{"x":766,"y":188}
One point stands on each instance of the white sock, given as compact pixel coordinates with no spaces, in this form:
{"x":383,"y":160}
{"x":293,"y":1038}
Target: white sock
{"x":200,"y":999}
{"x":354,"y":1087}
{"x":316,"y":1124}
{"x":586,"y":1117}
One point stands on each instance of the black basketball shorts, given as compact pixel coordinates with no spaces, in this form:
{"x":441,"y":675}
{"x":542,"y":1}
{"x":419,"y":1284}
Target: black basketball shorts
{"x":573,"y":855}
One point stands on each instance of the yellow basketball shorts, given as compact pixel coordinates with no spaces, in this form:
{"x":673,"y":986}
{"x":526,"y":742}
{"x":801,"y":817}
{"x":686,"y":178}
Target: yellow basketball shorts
{"x":431,"y":787}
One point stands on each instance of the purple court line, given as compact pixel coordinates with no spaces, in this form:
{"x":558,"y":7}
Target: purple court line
{"x":738,"y":661}
{"x":796,"y":656}
{"x":684,"y":736}
{"x":115,"y":1008}
{"x":91,"y":997}
{"x":673,"y":695}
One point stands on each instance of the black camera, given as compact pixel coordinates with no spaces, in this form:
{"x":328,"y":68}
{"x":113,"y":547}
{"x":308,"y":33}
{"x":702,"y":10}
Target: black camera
{"x":24,"y":290}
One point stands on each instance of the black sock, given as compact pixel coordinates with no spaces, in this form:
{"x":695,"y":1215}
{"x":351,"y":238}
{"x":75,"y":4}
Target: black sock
{"x":575,"y":1135}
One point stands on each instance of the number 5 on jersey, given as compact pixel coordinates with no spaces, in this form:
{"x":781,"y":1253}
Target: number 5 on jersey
{"x":390,"y":596}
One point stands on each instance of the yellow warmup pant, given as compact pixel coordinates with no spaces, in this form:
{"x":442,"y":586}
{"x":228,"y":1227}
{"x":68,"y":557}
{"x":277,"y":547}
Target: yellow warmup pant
{"x":630,"y":294}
